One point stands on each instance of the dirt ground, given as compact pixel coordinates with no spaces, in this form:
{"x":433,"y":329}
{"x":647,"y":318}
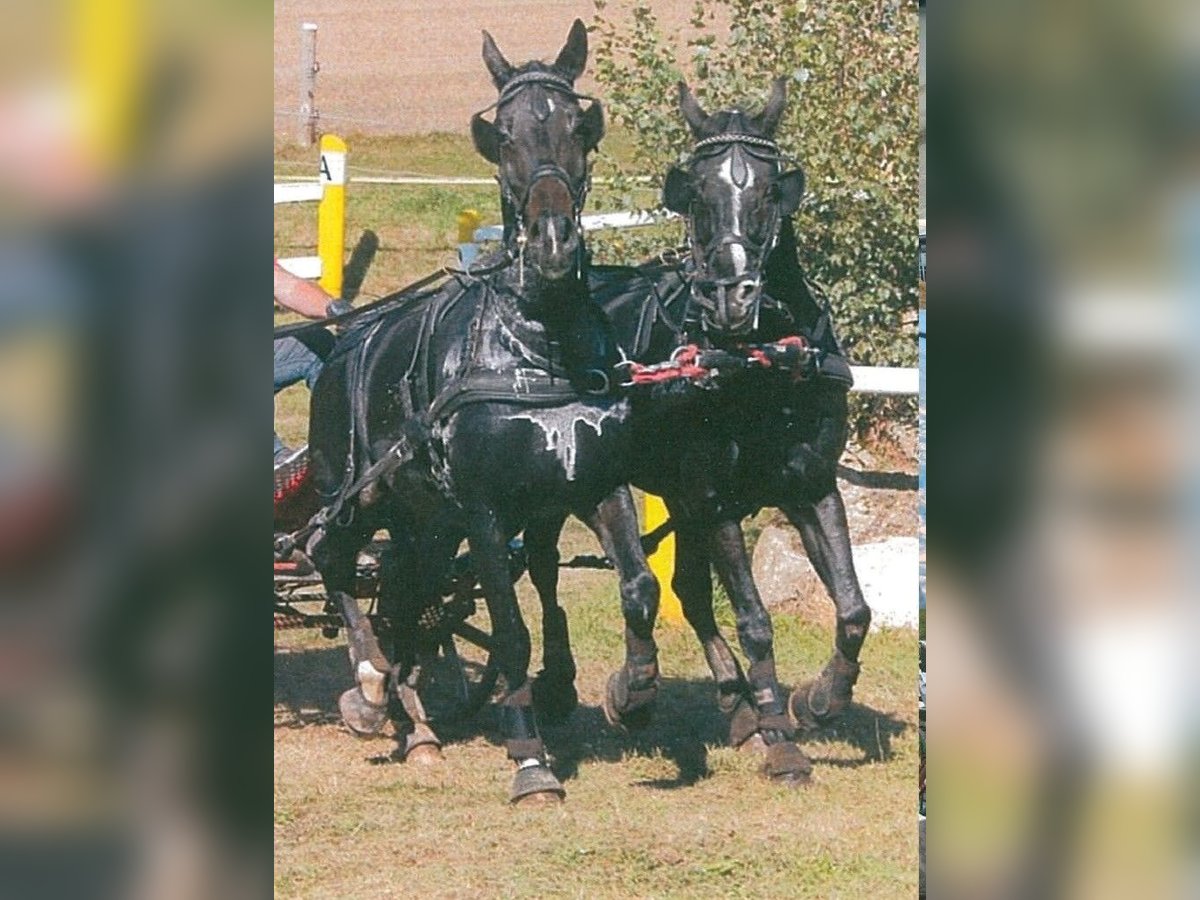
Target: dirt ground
{"x":413,"y":67}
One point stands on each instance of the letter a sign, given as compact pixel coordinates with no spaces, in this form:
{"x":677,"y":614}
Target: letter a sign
{"x":333,"y":167}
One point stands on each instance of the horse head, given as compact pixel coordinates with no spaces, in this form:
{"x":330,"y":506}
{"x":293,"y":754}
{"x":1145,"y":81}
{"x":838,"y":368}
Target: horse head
{"x":540,"y":141}
{"x":734,"y":194}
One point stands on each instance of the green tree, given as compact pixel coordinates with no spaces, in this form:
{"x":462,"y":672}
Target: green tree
{"x":851,"y":122}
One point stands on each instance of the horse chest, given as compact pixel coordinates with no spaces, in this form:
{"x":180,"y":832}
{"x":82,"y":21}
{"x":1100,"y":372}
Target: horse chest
{"x":561,"y":433}
{"x":506,"y":454}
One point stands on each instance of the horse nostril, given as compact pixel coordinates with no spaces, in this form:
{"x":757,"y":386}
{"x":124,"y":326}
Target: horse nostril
{"x":746,"y":291}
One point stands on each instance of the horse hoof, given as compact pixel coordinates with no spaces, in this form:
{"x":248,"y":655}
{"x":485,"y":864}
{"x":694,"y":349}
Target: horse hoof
{"x":616,"y":711}
{"x":821,"y":701}
{"x":752,"y":744}
{"x":364,"y":718}
{"x":541,"y":798}
{"x":536,"y":786}
{"x":792,"y":779}
{"x":743,"y":727}
{"x":786,"y":764}
{"x":425,"y":755}
{"x":554,"y":698}
{"x":813,"y":705}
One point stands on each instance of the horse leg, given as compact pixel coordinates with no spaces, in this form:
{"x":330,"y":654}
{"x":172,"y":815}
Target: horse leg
{"x":785,"y":761}
{"x":489,"y":553}
{"x":363,"y":708}
{"x":692,"y":582}
{"x":403,"y":591}
{"x":554,"y":687}
{"x":826,"y":537}
{"x":632,"y":690}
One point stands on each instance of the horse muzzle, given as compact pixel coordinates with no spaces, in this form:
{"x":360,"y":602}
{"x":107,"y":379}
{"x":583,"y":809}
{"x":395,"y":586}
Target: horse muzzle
{"x":553,"y":246}
{"x":730,"y":306}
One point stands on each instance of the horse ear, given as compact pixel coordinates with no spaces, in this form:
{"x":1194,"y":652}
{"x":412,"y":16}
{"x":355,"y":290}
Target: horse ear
{"x":677,"y":190}
{"x":495,"y":62}
{"x":591,"y":127}
{"x":789,"y":188}
{"x":573,"y":56}
{"x":690,"y":107}
{"x":486,"y":136}
{"x":769,"y":118}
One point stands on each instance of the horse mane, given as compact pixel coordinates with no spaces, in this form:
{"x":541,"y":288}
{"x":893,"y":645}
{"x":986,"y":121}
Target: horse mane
{"x":785,"y":279}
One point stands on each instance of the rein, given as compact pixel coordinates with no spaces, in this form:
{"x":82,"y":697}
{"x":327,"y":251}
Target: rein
{"x":397,"y":298}
{"x":704,"y":365}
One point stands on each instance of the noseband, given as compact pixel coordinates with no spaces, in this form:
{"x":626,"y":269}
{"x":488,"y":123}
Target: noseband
{"x":577,"y":192}
{"x":704,"y":255}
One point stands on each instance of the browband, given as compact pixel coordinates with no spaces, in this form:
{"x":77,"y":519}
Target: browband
{"x":545,"y":78}
{"x":731,"y":137}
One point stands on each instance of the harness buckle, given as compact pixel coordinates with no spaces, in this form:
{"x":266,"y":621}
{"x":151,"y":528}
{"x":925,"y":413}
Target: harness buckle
{"x":605,"y":381}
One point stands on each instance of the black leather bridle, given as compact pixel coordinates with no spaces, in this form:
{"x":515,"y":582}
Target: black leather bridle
{"x":710,"y":293}
{"x":518,"y":201}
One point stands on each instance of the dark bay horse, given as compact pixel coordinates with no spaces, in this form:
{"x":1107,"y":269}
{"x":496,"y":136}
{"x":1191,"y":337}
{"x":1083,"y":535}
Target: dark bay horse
{"x":478,"y":410}
{"x":750,"y":438}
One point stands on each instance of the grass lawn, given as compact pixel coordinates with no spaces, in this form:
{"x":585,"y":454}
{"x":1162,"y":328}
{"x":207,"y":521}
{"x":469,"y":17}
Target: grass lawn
{"x":669,"y":812}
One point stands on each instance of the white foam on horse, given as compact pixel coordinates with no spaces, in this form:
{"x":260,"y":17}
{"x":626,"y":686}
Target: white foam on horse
{"x":559,"y":427}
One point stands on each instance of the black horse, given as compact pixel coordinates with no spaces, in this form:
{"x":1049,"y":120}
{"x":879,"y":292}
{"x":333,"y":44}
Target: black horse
{"x":479,"y":410}
{"x":750,"y":437}
{"x":788,"y":453}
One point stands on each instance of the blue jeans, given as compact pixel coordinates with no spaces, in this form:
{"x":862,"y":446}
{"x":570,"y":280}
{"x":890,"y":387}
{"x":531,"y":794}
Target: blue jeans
{"x":294,"y":362}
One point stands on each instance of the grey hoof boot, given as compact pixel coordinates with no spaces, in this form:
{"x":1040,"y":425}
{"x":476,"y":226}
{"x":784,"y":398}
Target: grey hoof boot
{"x":743,"y":727}
{"x":364,"y":718}
{"x":627,"y":708}
{"x":536,"y":784}
{"x":787,"y":764}
{"x":820,"y":702}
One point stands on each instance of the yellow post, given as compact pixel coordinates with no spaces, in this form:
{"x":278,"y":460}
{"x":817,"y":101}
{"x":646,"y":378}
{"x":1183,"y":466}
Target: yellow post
{"x":662,"y":562}
{"x":468,"y":221}
{"x":331,"y":214}
{"x":108,"y":57}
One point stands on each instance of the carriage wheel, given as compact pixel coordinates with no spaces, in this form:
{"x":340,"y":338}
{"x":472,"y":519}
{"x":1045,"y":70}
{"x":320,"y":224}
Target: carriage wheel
{"x":462,"y":676}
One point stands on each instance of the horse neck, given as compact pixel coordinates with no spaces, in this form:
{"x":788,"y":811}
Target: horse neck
{"x":540,"y":312}
{"x":785,"y":278}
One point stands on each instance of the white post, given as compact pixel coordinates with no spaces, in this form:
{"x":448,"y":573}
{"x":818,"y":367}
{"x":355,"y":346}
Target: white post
{"x":307,"y":117}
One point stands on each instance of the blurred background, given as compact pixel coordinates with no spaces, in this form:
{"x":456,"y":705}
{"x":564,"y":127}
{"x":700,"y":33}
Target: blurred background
{"x":134,"y":743}
{"x":1063,"y":205}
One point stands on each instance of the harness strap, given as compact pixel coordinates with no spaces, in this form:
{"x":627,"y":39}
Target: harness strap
{"x":532,"y":387}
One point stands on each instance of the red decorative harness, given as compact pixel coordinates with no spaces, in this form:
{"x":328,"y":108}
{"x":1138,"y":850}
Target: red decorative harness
{"x":696,"y":364}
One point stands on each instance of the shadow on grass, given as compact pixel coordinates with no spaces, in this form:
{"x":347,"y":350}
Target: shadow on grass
{"x":307,"y":686}
{"x":685,"y":724}
{"x":892,"y":481}
{"x":867,"y":730}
